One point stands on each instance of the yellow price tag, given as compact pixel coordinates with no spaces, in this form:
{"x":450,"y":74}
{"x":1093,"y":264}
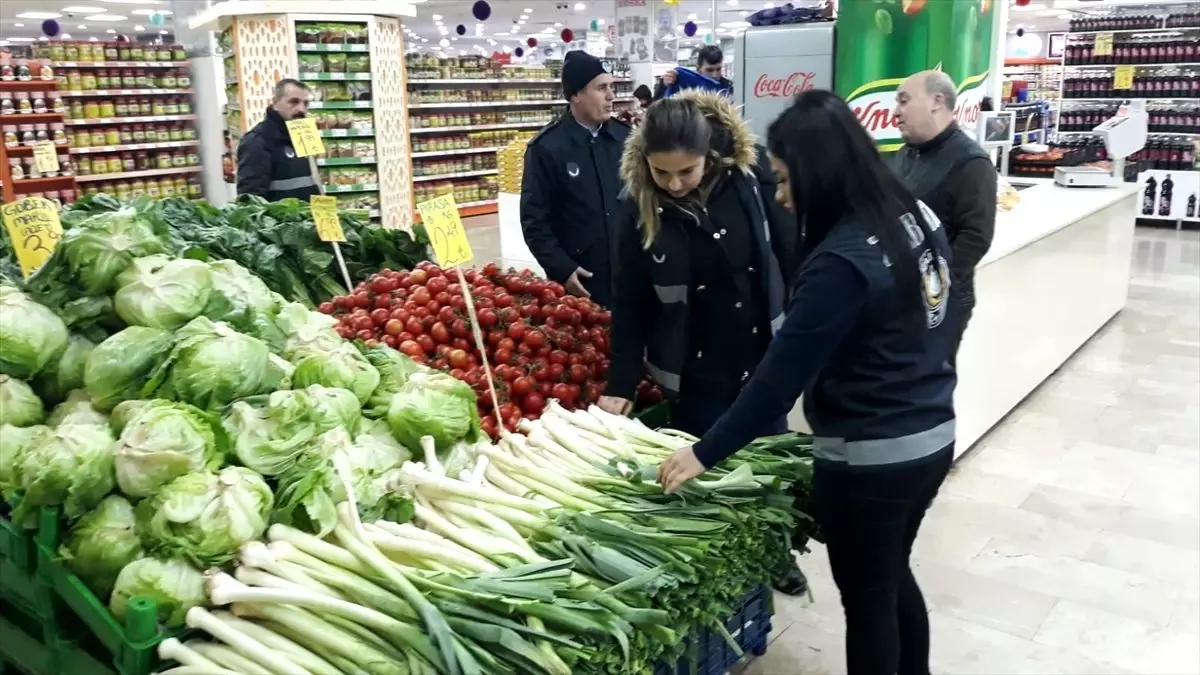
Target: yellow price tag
{"x":306,"y":140}
{"x":45,"y":157}
{"x":325,"y":216}
{"x":446,"y":233}
{"x":1123,"y":78}
{"x":1103,"y":46}
{"x":34,"y":229}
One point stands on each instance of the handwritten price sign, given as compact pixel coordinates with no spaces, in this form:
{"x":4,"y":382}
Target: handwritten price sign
{"x":45,"y":157}
{"x":306,"y":139}
{"x":1123,"y":78}
{"x":1104,"y":44}
{"x":325,"y":217}
{"x":34,"y":230}
{"x":446,"y":233}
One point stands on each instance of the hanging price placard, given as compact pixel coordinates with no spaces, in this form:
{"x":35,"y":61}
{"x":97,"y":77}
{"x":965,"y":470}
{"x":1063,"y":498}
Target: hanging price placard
{"x":45,"y":158}
{"x":34,"y":229}
{"x":1123,"y":78}
{"x":446,"y":233}
{"x":325,"y":217}
{"x":306,"y":139}
{"x":1103,"y":46}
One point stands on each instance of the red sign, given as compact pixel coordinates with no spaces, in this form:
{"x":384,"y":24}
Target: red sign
{"x":783,"y":87}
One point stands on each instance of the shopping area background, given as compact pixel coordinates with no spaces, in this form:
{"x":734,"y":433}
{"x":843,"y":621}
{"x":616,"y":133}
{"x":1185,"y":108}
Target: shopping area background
{"x":1067,"y":538}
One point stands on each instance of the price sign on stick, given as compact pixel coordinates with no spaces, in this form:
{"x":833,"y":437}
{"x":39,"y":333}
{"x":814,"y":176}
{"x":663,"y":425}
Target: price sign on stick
{"x":306,"y":140}
{"x":34,"y":230}
{"x":1123,"y":78}
{"x":446,"y":233}
{"x":45,"y":157}
{"x":1103,"y":46}
{"x":325,"y":216}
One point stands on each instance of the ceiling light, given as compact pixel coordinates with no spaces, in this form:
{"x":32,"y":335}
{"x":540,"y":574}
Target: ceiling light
{"x":557,"y":24}
{"x":437,"y":17}
{"x":19,"y":25}
{"x":692,"y":16}
{"x":20,"y":39}
{"x":424,"y":39}
{"x":92,"y":39}
{"x":39,"y":15}
{"x":731,"y":3}
{"x":65,"y":36}
{"x":163,"y":32}
{"x":520,"y":23}
{"x":83,"y":10}
{"x":744,"y":12}
{"x":135,"y":2}
{"x":111,"y":31}
{"x":579,"y":7}
{"x":107,"y":18}
{"x":443,"y":42}
{"x":43,"y":39}
{"x":454,"y":39}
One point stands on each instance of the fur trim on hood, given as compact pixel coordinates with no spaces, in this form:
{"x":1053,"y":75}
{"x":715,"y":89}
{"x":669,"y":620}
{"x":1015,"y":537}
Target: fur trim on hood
{"x":721,"y":112}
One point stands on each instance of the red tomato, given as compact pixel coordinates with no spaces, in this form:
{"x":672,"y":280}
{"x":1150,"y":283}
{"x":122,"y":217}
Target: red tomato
{"x":488,"y":426}
{"x":441,"y":364}
{"x":556,"y":372}
{"x":534,"y":338}
{"x":499,"y":371}
{"x":457,"y":373}
{"x":506,"y":343}
{"x":363,"y":323}
{"x":487,"y":318}
{"x":504,"y":300}
{"x":433,"y":306}
{"x":516,"y":331}
{"x":457,"y":358}
{"x":345,"y":331}
{"x":365,"y":335}
{"x":540,"y":373}
{"x":495,"y":336}
{"x":380,"y":317}
{"x":461,"y":343}
{"x":561,"y":391}
{"x":440,"y":333}
{"x":382,"y":302}
{"x":533,"y":403}
{"x":414,"y":326}
{"x":405,"y":336}
{"x":437,"y":285}
{"x":393,"y":327}
{"x":400,"y":314}
{"x":523,"y":385}
{"x":558,"y":356}
{"x":459,"y":328}
{"x":544,"y":388}
{"x":421,"y":296}
{"x":502,"y":356}
{"x":325,"y":308}
{"x":446,"y":315}
{"x":427,"y":321}
{"x":491,"y":269}
{"x":515,"y":285}
{"x":426,"y":344}
{"x":390,"y":340}
{"x":509,"y":409}
{"x":578,"y":373}
{"x":418,"y":277}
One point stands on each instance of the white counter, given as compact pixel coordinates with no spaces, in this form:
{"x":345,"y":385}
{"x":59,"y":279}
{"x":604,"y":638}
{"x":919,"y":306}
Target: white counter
{"x":1057,"y":271}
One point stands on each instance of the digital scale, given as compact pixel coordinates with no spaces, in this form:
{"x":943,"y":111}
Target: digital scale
{"x":1123,"y":135}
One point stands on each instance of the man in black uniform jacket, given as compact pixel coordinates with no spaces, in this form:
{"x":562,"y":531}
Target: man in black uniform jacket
{"x":569,"y":194}
{"x":947,"y":170}
{"x":267,"y":163}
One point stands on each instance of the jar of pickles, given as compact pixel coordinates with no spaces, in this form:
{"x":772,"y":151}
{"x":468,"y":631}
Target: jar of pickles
{"x":139,"y":133}
{"x":91,"y":109}
{"x":83,"y":138}
{"x":108,"y":108}
{"x":114,"y":164}
{"x":87,"y":80}
{"x":171,"y":107}
{"x":103,"y":81}
{"x":112,"y":136}
{"x":163,"y":160}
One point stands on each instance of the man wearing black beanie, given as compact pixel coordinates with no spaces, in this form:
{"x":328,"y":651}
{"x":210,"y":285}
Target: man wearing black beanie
{"x":569,"y":193}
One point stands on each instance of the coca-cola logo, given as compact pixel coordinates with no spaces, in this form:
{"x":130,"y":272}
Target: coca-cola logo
{"x":877,"y":116}
{"x":783,"y":87}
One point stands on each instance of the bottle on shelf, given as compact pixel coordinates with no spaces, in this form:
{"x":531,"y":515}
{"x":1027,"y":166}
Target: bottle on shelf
{"x":1148,"y":196}
{"x":1191,"y":206}
{"x":1164,"y":197}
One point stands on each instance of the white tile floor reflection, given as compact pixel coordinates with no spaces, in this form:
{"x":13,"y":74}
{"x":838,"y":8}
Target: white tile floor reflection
{"x":1068,"y":541}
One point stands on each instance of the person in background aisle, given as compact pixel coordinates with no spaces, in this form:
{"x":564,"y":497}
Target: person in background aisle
{"x":267,"y":163}
{"x":866,"y":340}
{"x":702,"y":249}
{"x":644,"y":96}
{"x":569,"y":193}
{"x":708,"y":64}
{"x":947,"y":170}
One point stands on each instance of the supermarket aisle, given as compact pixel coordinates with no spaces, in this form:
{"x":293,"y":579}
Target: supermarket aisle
{"x":1069,"y":542}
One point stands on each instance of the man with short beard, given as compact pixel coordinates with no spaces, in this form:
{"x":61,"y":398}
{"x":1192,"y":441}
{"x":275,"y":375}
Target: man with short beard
{"x":267,"y":162}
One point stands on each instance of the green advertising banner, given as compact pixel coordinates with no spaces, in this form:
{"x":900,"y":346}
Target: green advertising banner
{"x":881,"y":42}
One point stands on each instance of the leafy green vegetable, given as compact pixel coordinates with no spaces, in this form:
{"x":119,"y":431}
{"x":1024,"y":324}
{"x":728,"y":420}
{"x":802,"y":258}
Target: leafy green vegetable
{"x":243,"y":301}
{"x":14,"y":446}
{"x":394,"y":370}
{"x":174,"y":585}
{"x":71,"y":465}
{"x":343,"y":368}
{"x":119,"y":368}
{"x":306,"y":331}
{"x":168,"y":297}
{"x":76,"y":409}
{"x":205,"y":516}
{"x":162,"y":441}
{"x":213,"y":365}
{"x":19,"y":406}
{"x":66,"y":374}
{"x":142,"y":267}
{"x":269,"y":439}
{"x":91,"y":255}
{"x":31,"y":336}
{"x":102,"y":543}
{"x":433,"y":405}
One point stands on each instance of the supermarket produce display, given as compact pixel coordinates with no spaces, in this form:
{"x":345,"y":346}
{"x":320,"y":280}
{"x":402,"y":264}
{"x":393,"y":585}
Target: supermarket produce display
{"x":191,"y":453}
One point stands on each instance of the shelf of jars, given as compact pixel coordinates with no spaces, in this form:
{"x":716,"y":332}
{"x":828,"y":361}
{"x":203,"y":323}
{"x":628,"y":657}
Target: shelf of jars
{"x":25,"y":121}
{"x":346,"y":65}
{"x":467,"y":108}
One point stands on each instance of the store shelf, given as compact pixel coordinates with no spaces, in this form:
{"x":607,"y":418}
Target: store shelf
{"x":361,"y":187}
{"x":1130,"y":31}
{"x":134,"y":146}
{"x":129,"y":120}
{"x":1099,"y":66}
{"x":1119,"y":99}
{"x":301,"y":47}
{"x":122,"y":64}
{"x":28,"y":149}
{"x":447,"y":153}
{"x":31,"y":118}
{"x":500,"y":104}
{"x":35,"y":184}
{"x":148,"y":173}
{"x":125,"y":92}
{"x":467,"y":209}
{"x":346,"y":161}
{"x":1173,"y":134}
{"x":478,"y":127}
{"x":341,"y":105}
{"x":505,"y":80}
{"x":461,"y":174}
{"x":347,"y":133}
{"x":335,"y":77}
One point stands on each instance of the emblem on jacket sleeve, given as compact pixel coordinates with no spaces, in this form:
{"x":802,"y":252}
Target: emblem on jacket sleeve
{"x":935,"y":286}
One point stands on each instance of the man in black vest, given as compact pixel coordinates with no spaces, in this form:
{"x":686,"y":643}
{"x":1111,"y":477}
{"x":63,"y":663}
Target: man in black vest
{"x":947,"y":170}
{"x":267,"y":163}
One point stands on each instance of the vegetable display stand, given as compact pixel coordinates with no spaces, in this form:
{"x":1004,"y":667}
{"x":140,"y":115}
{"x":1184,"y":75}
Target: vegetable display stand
{"x":23,"y":652}
{"x":130,"y":647}
{"x":709,"y":652}
{"x":17,"y":569}
{"x":353,"y":64}
{"x":33,"y":118}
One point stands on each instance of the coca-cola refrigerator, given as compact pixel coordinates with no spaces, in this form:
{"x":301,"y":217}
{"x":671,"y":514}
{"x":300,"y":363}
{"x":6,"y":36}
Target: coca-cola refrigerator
{"x":774,"y":63}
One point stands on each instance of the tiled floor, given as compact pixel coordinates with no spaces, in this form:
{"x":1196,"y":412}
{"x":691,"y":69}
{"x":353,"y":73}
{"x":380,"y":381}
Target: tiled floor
{"x":1068,"y":541}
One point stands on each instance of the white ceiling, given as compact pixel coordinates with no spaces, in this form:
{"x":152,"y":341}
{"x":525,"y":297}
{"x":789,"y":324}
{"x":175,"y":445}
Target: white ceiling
{"x":82,"y":22}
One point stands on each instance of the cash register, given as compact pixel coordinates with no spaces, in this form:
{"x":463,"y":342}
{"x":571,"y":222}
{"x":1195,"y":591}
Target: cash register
{"x":1123,"y":135}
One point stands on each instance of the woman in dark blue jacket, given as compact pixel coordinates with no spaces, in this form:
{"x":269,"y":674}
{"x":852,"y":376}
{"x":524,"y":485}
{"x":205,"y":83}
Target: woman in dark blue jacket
{"x":866,"y":341}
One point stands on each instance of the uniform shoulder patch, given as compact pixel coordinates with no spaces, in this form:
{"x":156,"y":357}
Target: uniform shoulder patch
{"x":542,"y":132}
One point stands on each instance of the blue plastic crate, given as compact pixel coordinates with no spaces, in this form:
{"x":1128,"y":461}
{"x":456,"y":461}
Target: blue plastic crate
{"x":709,"y":653}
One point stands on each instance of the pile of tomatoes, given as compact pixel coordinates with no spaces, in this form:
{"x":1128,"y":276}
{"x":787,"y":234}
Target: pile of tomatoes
{"x":541,"y":342}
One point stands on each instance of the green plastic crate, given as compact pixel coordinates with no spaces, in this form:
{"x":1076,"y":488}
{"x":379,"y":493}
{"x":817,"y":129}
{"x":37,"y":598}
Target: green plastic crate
{"x":131,"y":646}
{"x":656,"y":416}
{"x":18,"y":586}
{"x":27,"y":645}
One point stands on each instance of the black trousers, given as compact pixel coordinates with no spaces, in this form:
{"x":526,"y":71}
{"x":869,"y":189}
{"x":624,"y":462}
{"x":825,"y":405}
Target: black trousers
{"x":869,"y":520}
{"x":962,"y":299}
